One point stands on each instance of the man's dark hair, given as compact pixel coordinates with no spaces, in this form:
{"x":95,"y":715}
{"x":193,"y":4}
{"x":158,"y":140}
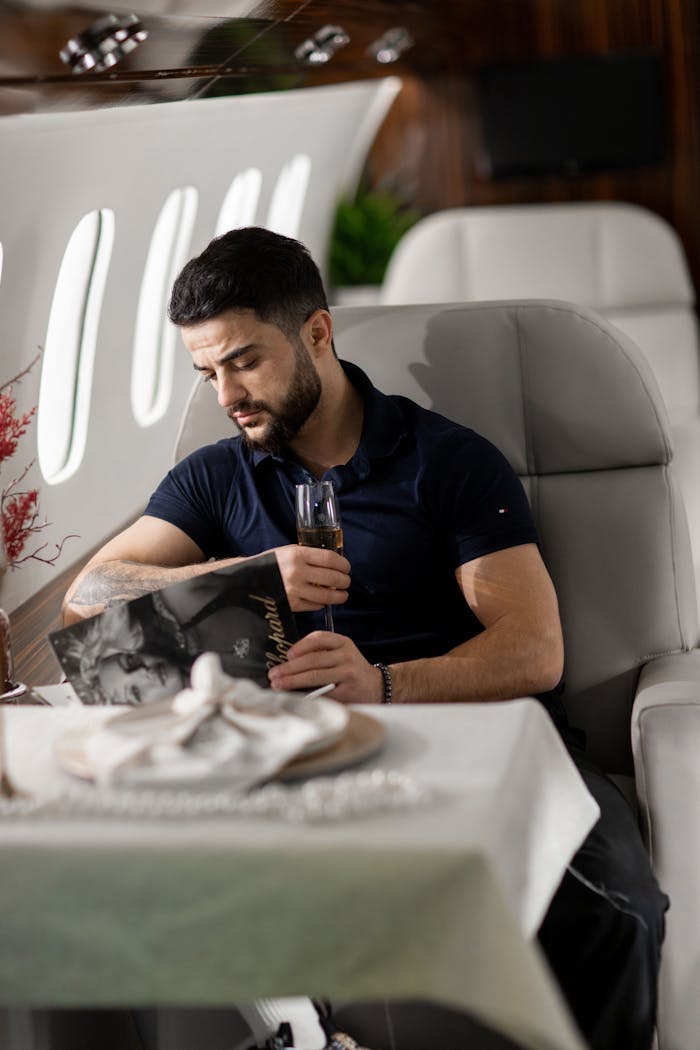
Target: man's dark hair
{"x":250,"y":269}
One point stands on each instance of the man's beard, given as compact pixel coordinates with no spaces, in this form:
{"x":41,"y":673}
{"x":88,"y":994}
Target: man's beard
{"x":301,"y":399}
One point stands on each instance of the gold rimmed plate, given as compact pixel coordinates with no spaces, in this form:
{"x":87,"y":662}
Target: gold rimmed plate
{"x":348,"y":737}
{"x":363,"y":737}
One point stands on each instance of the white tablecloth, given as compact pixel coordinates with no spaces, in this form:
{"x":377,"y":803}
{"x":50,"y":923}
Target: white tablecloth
{"x":434,"y":902}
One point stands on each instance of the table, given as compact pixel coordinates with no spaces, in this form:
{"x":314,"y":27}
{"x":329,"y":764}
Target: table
{"x":435,"y":902}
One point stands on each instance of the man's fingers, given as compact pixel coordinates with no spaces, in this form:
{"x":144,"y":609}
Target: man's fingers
{"x":323,"y":657}
{"x":328,"y":578}
{"x":320,"y":574}
{"x":315,"y":598}
{"x":313,"y":577}
{"x":316,"y":641}
{"x":315,"y":660}
{"x":326,"y":559}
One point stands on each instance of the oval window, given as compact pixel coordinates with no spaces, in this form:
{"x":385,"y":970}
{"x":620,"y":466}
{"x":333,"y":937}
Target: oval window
{"x":69,"y":351}
{"x":155,"y":338}
{"x":288,"y":196}
{"x":241,"y":201}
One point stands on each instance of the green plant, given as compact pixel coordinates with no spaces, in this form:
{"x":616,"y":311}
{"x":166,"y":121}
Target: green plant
{"x":365,"y":232}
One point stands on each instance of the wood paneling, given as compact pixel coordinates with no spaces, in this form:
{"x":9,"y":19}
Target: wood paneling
{"x":429,"y":142}
{"x":31,"y":624}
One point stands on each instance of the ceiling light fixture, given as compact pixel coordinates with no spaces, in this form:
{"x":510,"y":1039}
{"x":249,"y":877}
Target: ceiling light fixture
{"x":103,"y":44}
{"x":318,"y":48}
{"x":391,"y":45}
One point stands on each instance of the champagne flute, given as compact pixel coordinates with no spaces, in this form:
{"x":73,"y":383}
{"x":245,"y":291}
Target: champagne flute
{"x":318,"y":523}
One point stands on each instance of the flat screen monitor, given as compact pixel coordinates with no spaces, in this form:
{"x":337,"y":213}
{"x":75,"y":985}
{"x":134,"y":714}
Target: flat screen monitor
{"x":572,"y":115}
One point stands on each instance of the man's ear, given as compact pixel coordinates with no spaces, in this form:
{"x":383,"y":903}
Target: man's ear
{"x":319,"y":330}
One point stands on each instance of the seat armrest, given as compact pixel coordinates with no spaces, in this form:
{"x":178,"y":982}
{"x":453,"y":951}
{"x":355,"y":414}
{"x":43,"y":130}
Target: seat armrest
{"x":666,"y":740}
{"x":666,"y":749}
{"x":665,"y":676}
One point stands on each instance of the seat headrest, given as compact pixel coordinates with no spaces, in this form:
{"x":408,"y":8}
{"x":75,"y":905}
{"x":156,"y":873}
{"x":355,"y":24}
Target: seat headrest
{"x":553,"y":385}
{"x":608,"y":254}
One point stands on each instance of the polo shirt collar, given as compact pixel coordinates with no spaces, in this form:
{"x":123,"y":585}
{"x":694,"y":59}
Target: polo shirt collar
{"x":383,"y":426}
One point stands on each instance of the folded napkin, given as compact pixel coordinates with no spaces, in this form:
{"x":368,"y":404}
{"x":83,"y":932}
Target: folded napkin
{"x":221,"y":732}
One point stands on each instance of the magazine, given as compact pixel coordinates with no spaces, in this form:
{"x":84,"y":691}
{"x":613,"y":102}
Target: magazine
{"x":142,"y":650}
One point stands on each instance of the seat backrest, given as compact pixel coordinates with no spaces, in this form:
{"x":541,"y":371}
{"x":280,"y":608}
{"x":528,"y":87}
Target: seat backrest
{"x":574,"y":406}
{"x":625,"y":262}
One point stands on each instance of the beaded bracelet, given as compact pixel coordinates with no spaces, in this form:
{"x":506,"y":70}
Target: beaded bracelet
{"x":386,"y":675}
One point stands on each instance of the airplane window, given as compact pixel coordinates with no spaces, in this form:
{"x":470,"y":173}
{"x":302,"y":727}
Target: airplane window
{"x":155,"y":338}
{"x":240,"y":202}
{"x":288,"y":196}
{"x":69,"y":350}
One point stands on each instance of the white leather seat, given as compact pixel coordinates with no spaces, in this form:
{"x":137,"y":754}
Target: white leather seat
{"x":575,"y":407}
{"x":624,"y":261}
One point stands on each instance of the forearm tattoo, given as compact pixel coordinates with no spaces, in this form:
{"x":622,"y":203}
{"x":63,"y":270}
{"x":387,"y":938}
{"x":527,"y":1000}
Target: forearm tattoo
{"x":113,"y":583}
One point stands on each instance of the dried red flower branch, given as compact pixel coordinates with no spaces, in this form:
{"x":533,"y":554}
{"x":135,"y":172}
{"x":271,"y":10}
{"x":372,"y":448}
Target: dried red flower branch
{"x":12,"y":427}
{"x":19,"y":513}
{"x":19,"y":509}
{"x":20,"y":375}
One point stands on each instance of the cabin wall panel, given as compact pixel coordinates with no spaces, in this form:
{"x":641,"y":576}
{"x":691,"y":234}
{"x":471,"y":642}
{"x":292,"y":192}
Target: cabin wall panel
{"x":128,"y":160}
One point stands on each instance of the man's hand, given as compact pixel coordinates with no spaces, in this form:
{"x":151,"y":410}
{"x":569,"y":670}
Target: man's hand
{"x":323,"y":657}
{"x":313,"y":577}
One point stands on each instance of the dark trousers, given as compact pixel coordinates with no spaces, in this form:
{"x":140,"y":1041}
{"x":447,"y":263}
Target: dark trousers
{"x":603,"y":932}
{"x":602,"y":936}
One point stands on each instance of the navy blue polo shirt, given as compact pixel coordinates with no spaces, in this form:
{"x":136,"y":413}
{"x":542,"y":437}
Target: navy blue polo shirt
{"x":420,"y":496}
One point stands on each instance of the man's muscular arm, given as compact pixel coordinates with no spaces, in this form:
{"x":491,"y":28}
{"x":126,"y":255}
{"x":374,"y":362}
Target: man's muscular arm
{"x":519,"y":652}
{"x":152,"y":553}
{"x":114,"y":582}
{"x":148,"y":555}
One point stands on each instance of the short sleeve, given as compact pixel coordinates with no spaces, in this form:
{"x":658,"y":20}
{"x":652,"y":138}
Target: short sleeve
{"x":192,"y":497}
{"x":484,"y":507}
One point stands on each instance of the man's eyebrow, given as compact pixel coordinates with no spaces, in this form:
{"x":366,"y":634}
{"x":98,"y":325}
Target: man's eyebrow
{"x":225,"y":358}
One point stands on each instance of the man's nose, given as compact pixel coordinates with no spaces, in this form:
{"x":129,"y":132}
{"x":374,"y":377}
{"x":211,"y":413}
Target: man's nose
{"x":230,"y":390}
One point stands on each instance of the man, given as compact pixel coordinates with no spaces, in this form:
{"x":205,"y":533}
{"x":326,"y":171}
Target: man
{"x":442,"y":597}
{"x":276,"y":374}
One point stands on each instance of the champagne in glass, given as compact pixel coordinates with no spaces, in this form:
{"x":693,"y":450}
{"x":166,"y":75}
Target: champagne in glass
{"x":318,"y":522}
